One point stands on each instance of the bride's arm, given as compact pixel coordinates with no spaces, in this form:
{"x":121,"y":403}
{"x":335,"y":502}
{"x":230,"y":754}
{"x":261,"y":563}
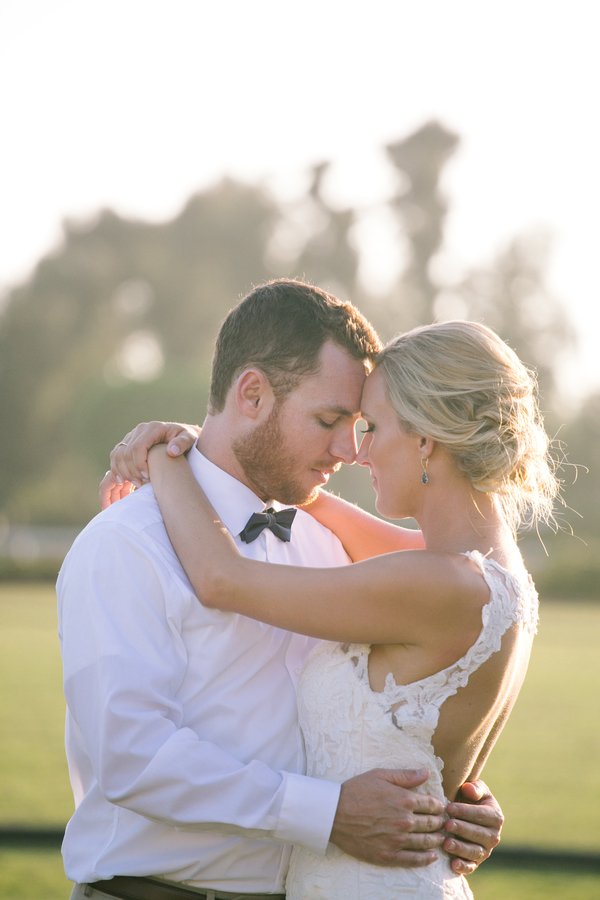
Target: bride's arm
{"x":411,"y":597}
{"x":129,"y":458}
{"x":361,"y":534}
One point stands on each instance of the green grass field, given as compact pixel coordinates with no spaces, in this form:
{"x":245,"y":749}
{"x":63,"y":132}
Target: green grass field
{"x":544,"y":770}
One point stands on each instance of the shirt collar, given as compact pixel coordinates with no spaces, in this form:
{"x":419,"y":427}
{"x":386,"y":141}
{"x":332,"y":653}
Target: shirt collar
{"x":233,"y":501}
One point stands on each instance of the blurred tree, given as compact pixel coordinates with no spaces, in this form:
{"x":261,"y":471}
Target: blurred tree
{"x":209,"y":256}
{"x":582,"y":483}
{"x":118,"y":323}
{"x":119,"y":301}
{"x":421,"y":209}
{"x":314,"y":240}
{"x":328,"y":257}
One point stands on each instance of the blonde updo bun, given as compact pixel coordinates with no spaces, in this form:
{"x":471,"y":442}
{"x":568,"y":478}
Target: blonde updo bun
{"x":460,"y":384}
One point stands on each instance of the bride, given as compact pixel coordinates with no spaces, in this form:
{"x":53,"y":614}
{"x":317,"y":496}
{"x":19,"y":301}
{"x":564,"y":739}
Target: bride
{"x":423,"y":652}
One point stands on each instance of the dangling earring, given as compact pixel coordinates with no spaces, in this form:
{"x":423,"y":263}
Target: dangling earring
{"x":424,"y":475}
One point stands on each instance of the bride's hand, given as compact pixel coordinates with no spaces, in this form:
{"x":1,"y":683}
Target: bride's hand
{"x":129,"y":458}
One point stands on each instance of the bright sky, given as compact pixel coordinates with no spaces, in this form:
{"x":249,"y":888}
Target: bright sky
{"x":135,"y":104}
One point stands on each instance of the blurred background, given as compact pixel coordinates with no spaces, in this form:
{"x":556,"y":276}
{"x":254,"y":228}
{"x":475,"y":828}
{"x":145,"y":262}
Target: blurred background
{"x":427,"y":161}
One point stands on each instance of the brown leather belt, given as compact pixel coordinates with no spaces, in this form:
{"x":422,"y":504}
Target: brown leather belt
{"x":130,"y":888}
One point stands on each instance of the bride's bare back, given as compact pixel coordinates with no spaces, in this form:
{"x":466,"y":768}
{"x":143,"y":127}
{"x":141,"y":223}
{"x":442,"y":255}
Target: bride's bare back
{"x":354,"y":717}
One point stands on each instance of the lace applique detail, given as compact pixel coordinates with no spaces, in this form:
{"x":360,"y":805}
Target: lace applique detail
{"x":348,"y":729}
{"x":511,"y":600}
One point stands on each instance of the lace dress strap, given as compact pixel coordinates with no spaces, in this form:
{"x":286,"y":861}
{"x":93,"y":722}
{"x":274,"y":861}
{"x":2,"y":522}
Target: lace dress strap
{"x":512,"y":600}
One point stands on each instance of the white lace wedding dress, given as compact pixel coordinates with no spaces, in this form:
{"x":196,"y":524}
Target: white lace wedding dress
{"x":349,"y":728}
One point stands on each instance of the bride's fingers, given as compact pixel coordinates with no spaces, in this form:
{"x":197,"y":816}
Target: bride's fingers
{"x":110,"y":491}
{"x":129,"y":458}
{"x":105,"y":490}
{"x":129,"y":461}
{"x":184,"y":440}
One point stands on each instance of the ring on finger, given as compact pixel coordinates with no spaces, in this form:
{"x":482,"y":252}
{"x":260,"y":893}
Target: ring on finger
{"x":122,"y":444}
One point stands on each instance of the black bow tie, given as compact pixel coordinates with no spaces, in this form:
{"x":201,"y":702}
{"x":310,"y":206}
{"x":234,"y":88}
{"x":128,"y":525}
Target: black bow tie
{"x":280,"y":524}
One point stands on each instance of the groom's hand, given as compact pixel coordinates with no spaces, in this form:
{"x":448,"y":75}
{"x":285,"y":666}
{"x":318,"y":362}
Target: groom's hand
{"x":382,"y":820}
{"x":474,"y":827}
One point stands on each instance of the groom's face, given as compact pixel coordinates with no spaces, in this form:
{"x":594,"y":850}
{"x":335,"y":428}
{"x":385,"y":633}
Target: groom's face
{"x":309,"y":433}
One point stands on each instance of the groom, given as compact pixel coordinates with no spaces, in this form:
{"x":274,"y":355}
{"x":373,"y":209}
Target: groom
{"x":182,"y":739}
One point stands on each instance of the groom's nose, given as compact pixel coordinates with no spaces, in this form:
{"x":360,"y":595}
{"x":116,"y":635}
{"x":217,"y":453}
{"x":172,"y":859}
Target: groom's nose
{"x":343,"y":446}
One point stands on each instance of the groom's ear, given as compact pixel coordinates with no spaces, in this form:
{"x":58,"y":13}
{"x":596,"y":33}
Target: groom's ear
{"x":254,"y":396}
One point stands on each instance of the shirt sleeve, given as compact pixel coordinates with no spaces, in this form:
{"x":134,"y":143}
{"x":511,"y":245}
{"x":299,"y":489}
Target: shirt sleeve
{"x":123,"y":659}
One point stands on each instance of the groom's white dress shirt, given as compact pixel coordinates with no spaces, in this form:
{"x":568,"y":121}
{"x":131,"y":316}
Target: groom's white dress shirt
{"x":183,"y":745}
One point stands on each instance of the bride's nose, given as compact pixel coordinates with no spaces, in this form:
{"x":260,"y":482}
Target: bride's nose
{"x":362,"y":457}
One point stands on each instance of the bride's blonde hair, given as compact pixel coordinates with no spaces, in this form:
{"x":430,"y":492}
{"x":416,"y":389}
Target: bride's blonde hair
{"x":460,"y":384}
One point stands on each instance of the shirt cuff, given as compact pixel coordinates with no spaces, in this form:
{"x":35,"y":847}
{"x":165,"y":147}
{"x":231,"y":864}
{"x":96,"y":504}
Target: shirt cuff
{"x":308,"y":810}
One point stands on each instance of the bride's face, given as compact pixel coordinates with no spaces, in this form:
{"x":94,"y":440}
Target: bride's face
{"x":390,"y":452}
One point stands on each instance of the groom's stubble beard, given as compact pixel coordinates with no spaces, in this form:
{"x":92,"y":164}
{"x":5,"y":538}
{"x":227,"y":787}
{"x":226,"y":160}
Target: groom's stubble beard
{"x":269,"y":465}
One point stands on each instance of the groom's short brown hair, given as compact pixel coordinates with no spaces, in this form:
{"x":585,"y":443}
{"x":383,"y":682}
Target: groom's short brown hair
{"x":280,"y":327}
